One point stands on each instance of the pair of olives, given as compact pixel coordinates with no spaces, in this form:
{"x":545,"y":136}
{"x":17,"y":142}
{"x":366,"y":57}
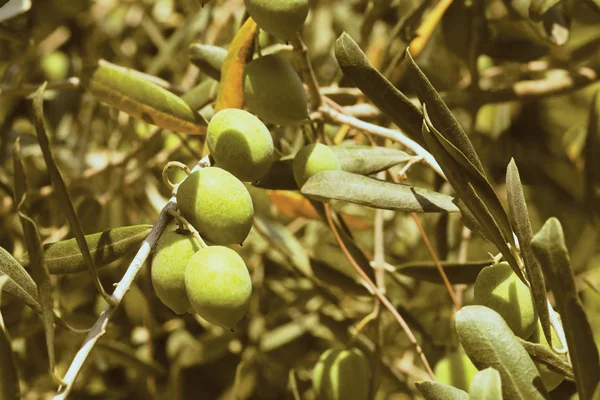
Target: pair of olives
{"x":342,"y":374}
{"x":213,"y":281}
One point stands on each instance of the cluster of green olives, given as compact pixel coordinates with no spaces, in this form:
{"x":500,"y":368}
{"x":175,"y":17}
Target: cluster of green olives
{"x":212,"y":281}
{"x":342,"y":374}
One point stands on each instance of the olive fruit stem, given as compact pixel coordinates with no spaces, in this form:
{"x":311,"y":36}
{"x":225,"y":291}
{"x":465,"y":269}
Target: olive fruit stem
{"x":121,"y":289}
{"x":181,"y":219}
{"x":173,"y":164}
{"x":308,"y":72}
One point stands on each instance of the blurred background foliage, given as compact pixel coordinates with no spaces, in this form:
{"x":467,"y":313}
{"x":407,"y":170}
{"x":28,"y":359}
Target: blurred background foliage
{"x":112,"y":165}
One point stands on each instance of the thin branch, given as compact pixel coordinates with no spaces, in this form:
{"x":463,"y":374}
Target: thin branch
{"x":332,"y":115}
{"x":122,"y":288}
{"x":308,"y":72}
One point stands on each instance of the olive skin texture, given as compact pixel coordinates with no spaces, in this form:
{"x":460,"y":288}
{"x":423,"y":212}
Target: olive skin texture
{"x":311,"y":160}
{"x":499,"y":288}
{"x":240,"y":143}
{"x":273,"y":91}
{"x":550,"y":379}
{"x":342,"y":375}
{"x":280,"y":18}
{"x":218,"y":285}
{"x":217,"y":204}
{"x":169,"y":262}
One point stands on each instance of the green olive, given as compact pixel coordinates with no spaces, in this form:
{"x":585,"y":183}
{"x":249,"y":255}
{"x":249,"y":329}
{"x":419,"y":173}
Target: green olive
{"x":456,"y":369}
{"x":550,"y":379}
{"x":342,"y":375}
{"x":169,"y":261}
{"x":500,"y":289}
{"x":240,"y":143}
{"x":218,"y":285}
{"x":311,"y":160}
{"x":281,"y":18}
{"x":273,"y":91}
{"x":217,"y":204}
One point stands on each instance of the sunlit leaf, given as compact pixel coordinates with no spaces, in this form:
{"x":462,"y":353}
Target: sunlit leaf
{"x":522,"y":226}
{"x":545,"y":355}
{"x":486,"y":385}
{"x":9,"y":378}
{"x":489,"y":342}
{"x":359,"y":189}
{"x":202,"y":94}
{"x":549,"y":248}
{"x":141,"y":98}
{"x":367,"y":160}
{"x":20,"y":284}
{"x":208,"y":58}
{"x":65,"y":257}
{"x":284,"y":334}
{"x":432,"y":390}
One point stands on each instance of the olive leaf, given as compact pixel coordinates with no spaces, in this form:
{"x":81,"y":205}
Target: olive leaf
{"x":330,"y":275}
{"x":20,"y":285}
{"x":65,"y":257}
{"x":522,"y":227}
{"x":432,"y":390}
{"x":127,"y":356}
{"x":39,"y":272}
{"x":287,"y":333}
{"x":61,"y":191}
{"x":486,"y":385}
{"x":489,"y":342}
{"x":545,"y":355}
{"x":359,"y":189}
{"x":355,"y":65}
{"x":592,"y":161}
{"x":208,"y":58}
{"x":549,"y":248}
{"x":457,"y":273}
{"x":202,"y":94}
{"x":141,"y":98}
{"x":440,"y":115}
{"x":9,"y":377}
{"x":367,"y":160}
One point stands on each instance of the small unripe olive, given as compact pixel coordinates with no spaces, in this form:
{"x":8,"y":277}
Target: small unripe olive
{"x":169,"y":261}
{"x":218,"y":285}
{"x":217,"y":204}
{"x":455,"y":369}
{"x":342,"y":375}
{"x":273,"y":90}
{"x":281,"y":18}
{"x":311,"y":160}
{"x":500,"y":289}
{"x":550,"y":379}
{"x":240,"y":143}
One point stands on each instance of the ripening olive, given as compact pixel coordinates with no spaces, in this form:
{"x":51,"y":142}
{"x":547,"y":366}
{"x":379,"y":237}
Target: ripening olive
{"x":240,"y":143}
{"x":273,"y":91}
{"x":550,"y":379}
{"x":169,"y":261}
{"x":342,"y":375}
{"x":217,"y":204}
{"x":500,"y":289}
{"x":281,"y":18}
{"x":218,"y":285}
{"x":311,"y":160}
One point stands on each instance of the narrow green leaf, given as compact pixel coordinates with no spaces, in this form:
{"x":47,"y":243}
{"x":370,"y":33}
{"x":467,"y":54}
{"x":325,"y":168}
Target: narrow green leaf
{"x":367,"y":160}
{"x":20,"y":285}
{"x":287,"y":333}
{"x":208,"y":58}
{"x":202,"y":94}
{"x":592,"y":161}
{"x":457,"y":273}
{"x":124,"y":354}
{"x":336,"y":278}
{"x":522,"y":226}
{"x":549,"y":248}
{"x":469,"y":220}
{"x":432,"y":390}
{"x":489,"y":342}
{"x":60,"y":189}
{"x":65,"y":257}
{"x":478,"y":210}
{"x":486,"y":385}
{"x":34,"y":246}
{"x":477,"y":179}
{"x":355,"y":65}
{"x":545,"y":355}
{"x":141,"y":99}
{"x":440,"y":114}
{"x":9,"y":377}
{"x":359,"y":189}
{"x":279,"y":177}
